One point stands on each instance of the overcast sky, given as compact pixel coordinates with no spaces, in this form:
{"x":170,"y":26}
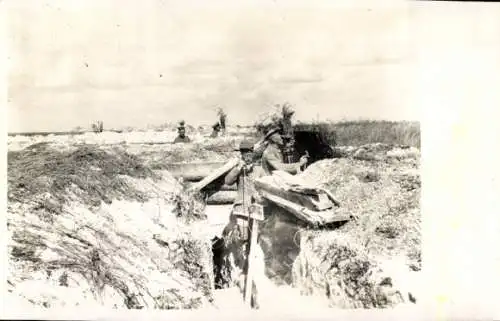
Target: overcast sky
{"x":150,"y":62}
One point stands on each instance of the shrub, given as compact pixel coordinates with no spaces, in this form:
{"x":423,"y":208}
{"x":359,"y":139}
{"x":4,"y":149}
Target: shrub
{"x":98,"y":127}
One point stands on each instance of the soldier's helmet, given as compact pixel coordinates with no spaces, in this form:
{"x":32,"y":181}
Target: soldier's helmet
{"x":245,"y":146}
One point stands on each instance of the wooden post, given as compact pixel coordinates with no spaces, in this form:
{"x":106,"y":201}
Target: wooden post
{"x":253,"y":223}
{"x":253,"y":214}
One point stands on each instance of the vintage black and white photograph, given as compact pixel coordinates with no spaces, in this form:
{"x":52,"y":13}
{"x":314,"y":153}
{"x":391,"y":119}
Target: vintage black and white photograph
{"x":168,"y":155}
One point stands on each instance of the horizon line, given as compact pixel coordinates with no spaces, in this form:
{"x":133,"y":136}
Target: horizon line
{"x":158,"y":128}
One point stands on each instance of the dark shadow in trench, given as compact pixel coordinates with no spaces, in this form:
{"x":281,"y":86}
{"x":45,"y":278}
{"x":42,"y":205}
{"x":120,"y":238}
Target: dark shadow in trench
{"x":218,"y":262}
{"x":280,"y":242}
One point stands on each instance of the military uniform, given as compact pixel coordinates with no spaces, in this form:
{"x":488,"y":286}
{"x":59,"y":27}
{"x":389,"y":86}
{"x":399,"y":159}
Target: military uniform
{"x":180,"y":139}
{"x":236,"y":232}
{"x":246,"y":195}
{"x":215,"y":130}
{"x":272,"y":159}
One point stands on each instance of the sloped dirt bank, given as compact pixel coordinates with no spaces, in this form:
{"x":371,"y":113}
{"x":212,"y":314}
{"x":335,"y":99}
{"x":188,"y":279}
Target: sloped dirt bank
{"x":93,"y":228}
{"x":370,"y":262}
{"x":332,"y":265}
{"x":270,"y":264}
{"x":156,"y":156}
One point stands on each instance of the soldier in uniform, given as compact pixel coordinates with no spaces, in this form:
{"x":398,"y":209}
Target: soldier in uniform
{"x":216,"y":128}
{"x":222,"y":121}
{"x":244,"y":175}
{"x":272,"y":157}
{"x":181,"y":137}
{"x":236,"y":233}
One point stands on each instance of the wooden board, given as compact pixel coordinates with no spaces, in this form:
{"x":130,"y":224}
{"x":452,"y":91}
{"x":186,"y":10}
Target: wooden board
{"x":216,"y":174}
{"x":193,"y":172}
{"x":317,"y":218}
{"x":320,"y":202}
{"x":255,"y":211}
{"x":223,"y":187}
{"x":222,"y":197}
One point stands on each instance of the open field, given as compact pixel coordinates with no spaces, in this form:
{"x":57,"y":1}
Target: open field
{"x":345,"y":133}
{"x":92,"y":221}
{"x":357,"y":133}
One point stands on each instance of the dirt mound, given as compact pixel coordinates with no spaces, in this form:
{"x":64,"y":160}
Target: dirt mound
{"x":43,"y":174}
{"x":364,"y":262}
{"x":385,"y":199}
{"x":330,"y":263}
{"x":109,"y":237}
{"x":156,"y":156}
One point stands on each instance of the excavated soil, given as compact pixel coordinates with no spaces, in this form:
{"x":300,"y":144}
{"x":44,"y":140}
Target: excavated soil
{"x":91,"y":228}
{"x":97,"y":226}
{"x":370,"y":262}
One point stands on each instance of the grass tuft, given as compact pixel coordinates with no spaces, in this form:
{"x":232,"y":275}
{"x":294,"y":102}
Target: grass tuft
{"x":44,"y":174}
{"x":362,"y":132}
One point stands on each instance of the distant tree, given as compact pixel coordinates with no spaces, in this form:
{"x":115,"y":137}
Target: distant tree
{"x":98,"y":127}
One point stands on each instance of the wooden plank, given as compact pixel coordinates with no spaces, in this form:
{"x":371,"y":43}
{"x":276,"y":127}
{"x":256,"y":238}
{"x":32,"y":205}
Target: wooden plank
{"x":250,"y":266}
{"x":297,"y":190}
{"x":223,"y":187}
{"x":193,"y":172}
{"x":330,"y":216}
{"x":222,"y":197}
{"x":255,"y":212}
{"x":334,"y":200}
{"x":190,"y":177}
{"x":228,"y":188}
{"x":313,"y":217}
{"x":305,"y":200}
{"x":215,"y":174}
{"x":291,"y":207}
{"x":323,"y":203}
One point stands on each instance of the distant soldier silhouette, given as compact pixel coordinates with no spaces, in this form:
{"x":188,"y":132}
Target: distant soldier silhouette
{"x":216,"y":128}
{"x":222,"y":121}
{"x":181,"y":137}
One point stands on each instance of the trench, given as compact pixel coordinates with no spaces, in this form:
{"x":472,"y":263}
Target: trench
{"x":297,"y":274}
{"x":289,"y":277}
{"x":318,"y":147}
{"x":218,"y":218}
{"x":275,"y":285}
{"x":294,"y":272}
